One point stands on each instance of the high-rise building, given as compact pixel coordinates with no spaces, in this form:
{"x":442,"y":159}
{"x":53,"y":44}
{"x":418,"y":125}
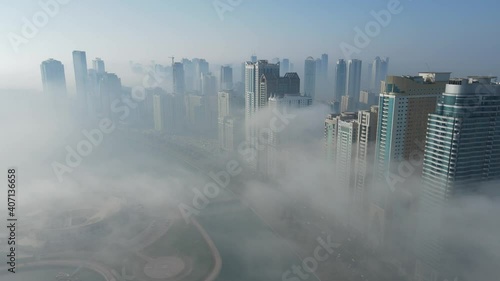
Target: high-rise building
{"x":365,"y":153}
{"x":195,"y":113}
{"x":324,"y":66}
{"x":331,"y":133}
{"x":53,"y":78}
{"x":178,"y":78}
{"x":54,"y":82}
{"x":349,"y":148}
{"x":403,"y":110}
{"x":318,"y":89}
{"x":340,"y":151}
{"x":385,"y":71}
{"x":208,"y":84}
{"x":462,"y":153}
{"x":340,"y":79}
{"x":98,"y":65}
{"x":347,"y":137}
{"x":163,"y":110}
{"x":253,"y":58}
{"x":346,"y":103}
{"x":353,"y":83}
{"x":189,"y":75}
{"x":310,"y":77}
{"x":201,"y":67}
{"x":367,"y":99}
{"x":226,"y":78}
{"x":319,"y":70}
{"x":81,"y":79}
{"x":279,"y":86}
{"x":378,"y":73}
{"x":288,"y":84}
{"x":402,"y":123}
{"x":109,"y":90}
{"x":230,"y":119}
{"x":285,"y":66}
{"x":255,"y":99}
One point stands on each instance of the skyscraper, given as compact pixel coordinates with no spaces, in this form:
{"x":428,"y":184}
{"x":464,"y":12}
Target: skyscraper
{"x":353,"y":83}
{"x":189,"y":75}
{"x":178,"y":78}
{"x":109,"y":89}
{"x":288,"y":84}
{"x":201,"y":67}
{"x":98,"y":65}
{"x":208,"y":84}
{"x":341,"y":134}
{"x":331,"y":133}
{"x":378,"y":73}
{"x":81,"y":78}
{"x":324,"y":67}
{"x":163,"y":110}
{"x":255,"y":99}
{"x":318,"y":89}
{"x":347,"y":136}
{"x":384,"y":71}
{"x":462,"y":152}
{"x":367,"y":99}
{"x":346,"y":103}
{"x":402,"y":123}
{"x":54,"y":83}
{"x":310,"y":77}
{"x":226,"y":78}
{"x":365,"y":153}
{"x":253,"y":58}
{"x":349,"y":149}
{"x":285,"y":66}
{"x":230,"y":118}
{"x":340,"y":79}
{"x":403,"y":110}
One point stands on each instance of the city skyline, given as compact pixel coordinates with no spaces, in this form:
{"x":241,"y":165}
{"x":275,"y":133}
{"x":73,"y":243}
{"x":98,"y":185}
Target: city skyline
{"x":432,"y":50}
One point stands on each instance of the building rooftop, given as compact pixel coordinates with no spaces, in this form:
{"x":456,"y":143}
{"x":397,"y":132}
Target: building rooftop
{"x":291,"y":75}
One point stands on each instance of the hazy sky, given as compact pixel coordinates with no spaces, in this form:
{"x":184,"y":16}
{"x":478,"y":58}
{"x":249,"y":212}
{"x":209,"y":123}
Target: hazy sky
{"x":458,"y":36}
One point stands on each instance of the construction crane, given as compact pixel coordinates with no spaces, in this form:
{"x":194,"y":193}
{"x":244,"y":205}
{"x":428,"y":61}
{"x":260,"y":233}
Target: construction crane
{"x":172,"y":60}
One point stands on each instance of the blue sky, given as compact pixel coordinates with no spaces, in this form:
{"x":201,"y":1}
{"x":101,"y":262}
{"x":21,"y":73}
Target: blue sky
{"x":458,"y":36}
